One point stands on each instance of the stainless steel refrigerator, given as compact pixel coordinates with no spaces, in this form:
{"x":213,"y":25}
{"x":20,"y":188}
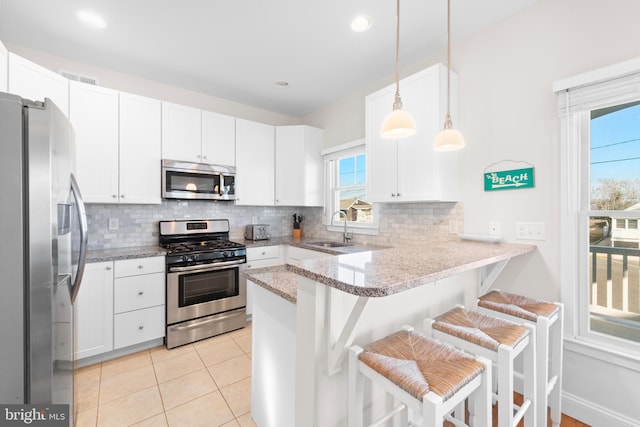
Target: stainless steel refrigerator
{"x":43,"y":239}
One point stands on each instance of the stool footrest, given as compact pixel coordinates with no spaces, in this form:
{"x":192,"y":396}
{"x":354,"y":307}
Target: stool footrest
{"x":380,"y":421}
{"x":455,"y":422}
{"x":520,"y":411}
{"x":552,"y":383}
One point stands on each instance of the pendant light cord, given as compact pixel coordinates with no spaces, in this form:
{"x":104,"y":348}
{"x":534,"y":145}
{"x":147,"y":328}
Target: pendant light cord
{"x":448,"y":58}
{"x":397,"y":47}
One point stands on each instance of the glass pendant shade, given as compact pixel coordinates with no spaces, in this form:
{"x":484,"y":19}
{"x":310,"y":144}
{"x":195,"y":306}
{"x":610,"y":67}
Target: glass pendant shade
{"x":449,"y":139}
{"x":398,"y":124}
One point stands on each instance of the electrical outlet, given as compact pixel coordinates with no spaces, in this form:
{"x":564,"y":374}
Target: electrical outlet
{"x":113,"y":224}
{"x":530,"y":231}
{"x":494,"y":228}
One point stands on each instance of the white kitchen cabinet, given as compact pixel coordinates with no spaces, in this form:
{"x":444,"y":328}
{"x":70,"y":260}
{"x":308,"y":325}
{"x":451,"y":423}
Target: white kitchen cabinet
{"x":257,"y":257}
{"x":93,"y":112}
{"x":408,"y":169}
{"x":32,"y":81}
{"x":218,"y":139}
{"x":255,"y":166}
{"x":139,"y":149}
{"x":4,"y":68}
{"x":94,"y":311}
{"x":298,"y":166}
{"x":181,"y":133}
{"x":117,"y":144}
{"x":138,"y":301}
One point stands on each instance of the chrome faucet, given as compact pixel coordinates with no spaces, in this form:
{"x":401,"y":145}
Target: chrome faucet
{"x":345,"y":235}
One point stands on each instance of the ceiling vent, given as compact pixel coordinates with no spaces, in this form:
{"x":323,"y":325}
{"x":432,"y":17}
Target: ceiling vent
{"x":79,"y":78}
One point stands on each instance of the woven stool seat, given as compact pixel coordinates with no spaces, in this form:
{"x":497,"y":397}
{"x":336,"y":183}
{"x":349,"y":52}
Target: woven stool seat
{"x":428,"y":381}
{"x":517,"y":305}
{"x":420,"y":365}
{"x":481,"y":329}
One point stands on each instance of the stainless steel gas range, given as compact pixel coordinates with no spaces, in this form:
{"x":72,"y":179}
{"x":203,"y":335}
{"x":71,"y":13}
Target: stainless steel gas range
{"x":205,"y":296}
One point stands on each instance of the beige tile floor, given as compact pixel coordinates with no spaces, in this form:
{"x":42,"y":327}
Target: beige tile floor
{"x":207,"y":383}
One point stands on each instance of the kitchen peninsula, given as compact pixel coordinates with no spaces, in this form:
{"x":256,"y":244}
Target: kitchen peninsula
{"x":306,"y":315}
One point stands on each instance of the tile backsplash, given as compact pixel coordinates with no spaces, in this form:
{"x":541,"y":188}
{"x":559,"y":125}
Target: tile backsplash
{"x":400,"y":224}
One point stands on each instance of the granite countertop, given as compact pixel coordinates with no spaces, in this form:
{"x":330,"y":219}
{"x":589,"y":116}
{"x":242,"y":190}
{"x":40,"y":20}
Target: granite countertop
{"x":124,"y":253}
{"x":385,"y":272}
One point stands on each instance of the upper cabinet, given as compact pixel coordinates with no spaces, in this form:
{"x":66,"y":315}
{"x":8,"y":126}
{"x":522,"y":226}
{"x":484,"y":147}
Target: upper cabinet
{"x":117,"y":144}
{"x":218,"y":139}
{"x":4,"y":68}
{"x":298,"y":161}
{"x":94,"y":115}
{"x":194,"y":135}
{"x":255,"y":166}
{"x":408,"y":169}
{"x":34,"y":82}
{"x":181,"y":133}
{"x":140,"y":149}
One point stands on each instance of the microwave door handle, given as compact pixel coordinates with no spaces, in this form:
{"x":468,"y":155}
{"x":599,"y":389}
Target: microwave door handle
{"x":82,"y":256}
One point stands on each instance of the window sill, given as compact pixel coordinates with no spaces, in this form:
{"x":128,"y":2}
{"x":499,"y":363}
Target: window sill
{"x":370,"y":230}
{"x":597,"y":351}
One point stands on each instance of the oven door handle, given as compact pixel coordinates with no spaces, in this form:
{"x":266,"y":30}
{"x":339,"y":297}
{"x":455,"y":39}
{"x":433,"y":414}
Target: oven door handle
{"x":204,"y":267}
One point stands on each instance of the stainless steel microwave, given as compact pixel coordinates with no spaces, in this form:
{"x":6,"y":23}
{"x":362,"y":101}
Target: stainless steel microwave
{"x":197,"y":181}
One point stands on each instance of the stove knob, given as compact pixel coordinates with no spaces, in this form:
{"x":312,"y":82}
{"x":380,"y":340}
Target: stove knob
{"x":228,"y":254}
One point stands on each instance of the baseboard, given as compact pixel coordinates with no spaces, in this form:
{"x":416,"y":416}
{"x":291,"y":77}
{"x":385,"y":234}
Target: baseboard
{"x":593,"y":414}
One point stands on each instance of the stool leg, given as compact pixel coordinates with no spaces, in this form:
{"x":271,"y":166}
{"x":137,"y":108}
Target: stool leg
{"x":542,"y":367}
{"x":355,"y":389}
{"x":531,"y":381}
{"x":432,"y":410}
{"x":556,"y":343}
{"x":505,"y":387}
{"x":481,"y":401}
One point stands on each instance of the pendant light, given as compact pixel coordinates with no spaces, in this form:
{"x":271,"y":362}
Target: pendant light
{"x":449,"y":139}
{"x":399,"y":123}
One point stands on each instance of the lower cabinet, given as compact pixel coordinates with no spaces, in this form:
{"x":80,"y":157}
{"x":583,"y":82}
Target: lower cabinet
{"x":138,"y":301}
{"x":94,"y":311}
{"x":257,"y":257}
{"x":121,"y":303}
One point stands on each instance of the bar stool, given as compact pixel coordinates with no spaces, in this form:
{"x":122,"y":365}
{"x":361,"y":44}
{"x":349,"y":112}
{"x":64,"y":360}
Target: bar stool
{"x":500,"y":341}
{"x":548,"y":320}
{"x":429,"y":378}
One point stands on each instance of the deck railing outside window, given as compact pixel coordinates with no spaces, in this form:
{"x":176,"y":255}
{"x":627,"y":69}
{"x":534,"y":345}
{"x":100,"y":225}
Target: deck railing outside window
{"x":615,"y":291}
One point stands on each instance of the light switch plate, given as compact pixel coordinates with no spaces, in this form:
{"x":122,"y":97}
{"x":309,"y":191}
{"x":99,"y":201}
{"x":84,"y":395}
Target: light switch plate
{"x":530,"y":231}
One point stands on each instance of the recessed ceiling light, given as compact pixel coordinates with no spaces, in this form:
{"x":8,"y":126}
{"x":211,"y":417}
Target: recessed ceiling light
{"x":282,"y":83}
{"x":91,"y":19}
{"x":361,"y":23}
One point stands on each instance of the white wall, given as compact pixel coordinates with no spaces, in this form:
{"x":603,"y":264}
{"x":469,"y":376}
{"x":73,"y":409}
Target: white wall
{"x":507,"y":111}
{"x":132,"y":84}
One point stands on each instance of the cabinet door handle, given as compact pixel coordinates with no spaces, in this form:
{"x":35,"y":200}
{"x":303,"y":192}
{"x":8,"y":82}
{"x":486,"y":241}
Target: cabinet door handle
{"x":140,"y":293}
{"x":399,"y":194}
{"x":122,"y":196}
{"x":393,"y":194}
{"x":141,"y":266}
{"x":114,"y":196}
{"x":141,"y":327}
{"x":204,"y":157}
{"x":108,"y":267}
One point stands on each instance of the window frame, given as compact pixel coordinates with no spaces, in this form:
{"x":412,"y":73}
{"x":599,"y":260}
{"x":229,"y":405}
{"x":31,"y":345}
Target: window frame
{"x":610,"y":86}
{"x":331,"y":159}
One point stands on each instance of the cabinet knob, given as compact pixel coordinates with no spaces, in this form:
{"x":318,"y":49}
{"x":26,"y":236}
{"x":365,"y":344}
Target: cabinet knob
{"x":140,"y":293}
{"x":399,"y":194}
{"x":114,"y":196}
{"x":204,"y":157}
{"x":122,"y":196}
{"x":108,"y":267}
{"x":141,"y":266}
{"x":141,"y":327}
{"x":393,"y":194}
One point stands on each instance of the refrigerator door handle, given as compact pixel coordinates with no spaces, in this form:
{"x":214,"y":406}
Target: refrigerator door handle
{"x":82,"y":256}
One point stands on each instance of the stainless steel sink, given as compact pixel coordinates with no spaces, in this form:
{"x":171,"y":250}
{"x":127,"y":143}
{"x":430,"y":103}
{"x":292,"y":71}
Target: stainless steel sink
{"x":329,"y":244}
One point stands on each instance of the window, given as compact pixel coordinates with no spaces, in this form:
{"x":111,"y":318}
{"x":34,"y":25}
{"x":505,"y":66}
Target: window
{"x":600,"y":189}
{"x":346,"y":188}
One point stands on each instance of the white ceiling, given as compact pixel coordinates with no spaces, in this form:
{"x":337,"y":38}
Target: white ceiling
{"x":238,"y":49}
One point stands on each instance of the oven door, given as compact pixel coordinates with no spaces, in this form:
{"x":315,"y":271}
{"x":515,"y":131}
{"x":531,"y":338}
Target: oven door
{"x":198,"y":291}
